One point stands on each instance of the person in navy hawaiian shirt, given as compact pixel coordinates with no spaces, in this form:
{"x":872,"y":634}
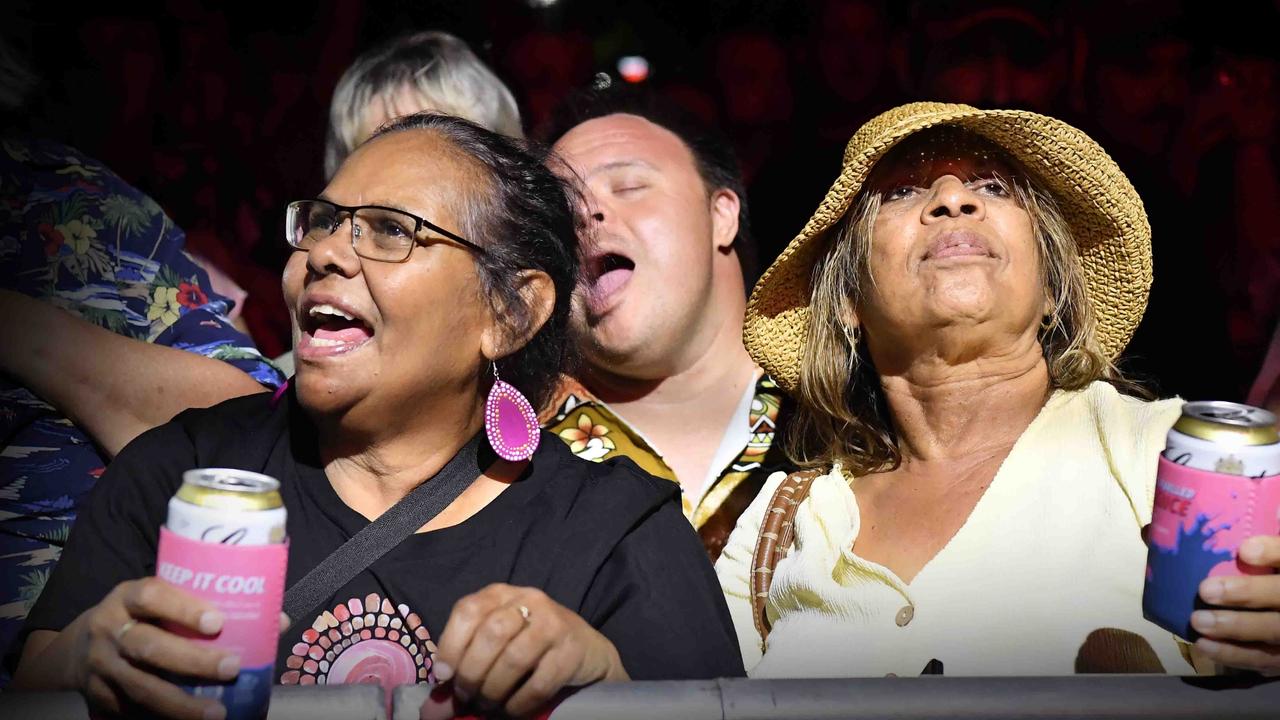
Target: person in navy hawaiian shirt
{"x":76,"y":236}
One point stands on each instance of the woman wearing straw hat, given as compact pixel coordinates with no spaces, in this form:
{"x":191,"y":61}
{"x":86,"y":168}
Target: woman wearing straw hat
{"x":947,"y":323}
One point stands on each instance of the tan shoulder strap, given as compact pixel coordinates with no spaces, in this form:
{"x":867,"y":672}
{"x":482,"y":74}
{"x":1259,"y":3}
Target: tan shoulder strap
{"x":776,"y":534}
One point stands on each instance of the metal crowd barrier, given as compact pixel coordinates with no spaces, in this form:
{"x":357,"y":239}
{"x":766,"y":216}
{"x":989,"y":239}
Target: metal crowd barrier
{"x":1111,"y":697}
{"x":288,"y":702}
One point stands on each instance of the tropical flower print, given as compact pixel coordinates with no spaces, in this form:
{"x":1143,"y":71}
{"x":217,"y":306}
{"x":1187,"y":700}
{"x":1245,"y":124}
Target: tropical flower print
{"x":69,"y":236}
{"x":594,"y":432}
{"x":79,"y":235}
{"x":52,"y":238}
{"x":165,"y":308}
{"x":75,"y":235}
{"x":587,"y":440}
{"x":191,"y":296}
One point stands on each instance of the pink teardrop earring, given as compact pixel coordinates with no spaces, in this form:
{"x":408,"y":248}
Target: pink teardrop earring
{"x":510,"y":422}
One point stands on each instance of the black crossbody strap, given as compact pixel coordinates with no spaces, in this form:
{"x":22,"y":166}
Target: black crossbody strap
{"x":389,"y":530}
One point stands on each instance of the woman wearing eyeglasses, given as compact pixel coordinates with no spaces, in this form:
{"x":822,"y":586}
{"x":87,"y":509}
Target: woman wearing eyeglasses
{"x":429,"y":291}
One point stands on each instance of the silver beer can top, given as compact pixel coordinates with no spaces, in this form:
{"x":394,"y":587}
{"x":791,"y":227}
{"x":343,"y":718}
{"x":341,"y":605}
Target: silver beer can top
{"x":1230,"y":423}
{"x":230,"y":489}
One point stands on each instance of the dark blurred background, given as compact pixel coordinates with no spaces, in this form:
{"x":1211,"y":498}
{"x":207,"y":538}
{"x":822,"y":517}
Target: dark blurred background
{"x":219,"y":114}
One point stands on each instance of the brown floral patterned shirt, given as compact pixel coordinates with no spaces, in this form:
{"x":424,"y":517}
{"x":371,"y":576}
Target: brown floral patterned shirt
{"x":594,"y":432}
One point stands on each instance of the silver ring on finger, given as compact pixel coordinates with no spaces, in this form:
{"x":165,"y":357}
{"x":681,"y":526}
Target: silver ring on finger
{"x":126,"y":627}
{"x":524,"y":613}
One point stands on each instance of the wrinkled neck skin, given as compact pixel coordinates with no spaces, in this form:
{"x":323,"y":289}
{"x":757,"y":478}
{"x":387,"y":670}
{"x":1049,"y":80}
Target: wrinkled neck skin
{"x":960,"y":394}
{"x":375,"y":458}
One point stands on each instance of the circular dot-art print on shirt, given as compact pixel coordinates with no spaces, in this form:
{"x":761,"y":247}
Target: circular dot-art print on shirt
{"x":364,"y":640}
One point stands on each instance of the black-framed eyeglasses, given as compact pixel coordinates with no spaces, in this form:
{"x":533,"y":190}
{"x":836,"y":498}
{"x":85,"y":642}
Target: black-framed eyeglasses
{"x":377,"y":233}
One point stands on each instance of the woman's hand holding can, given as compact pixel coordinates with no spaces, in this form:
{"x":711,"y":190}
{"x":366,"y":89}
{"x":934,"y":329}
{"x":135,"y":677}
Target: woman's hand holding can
{"x":123,"y":651}
{"x":1248,"y":638}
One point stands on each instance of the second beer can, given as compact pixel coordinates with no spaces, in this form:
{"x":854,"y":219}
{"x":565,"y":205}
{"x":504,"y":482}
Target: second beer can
{"x":1225,"y":437}
{"x":1217,"y":484}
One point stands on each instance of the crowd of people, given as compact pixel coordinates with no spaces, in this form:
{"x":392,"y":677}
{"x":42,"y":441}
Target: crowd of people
{"x":831,"y":466}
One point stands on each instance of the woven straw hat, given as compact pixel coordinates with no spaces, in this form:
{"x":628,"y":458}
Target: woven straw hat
{"x":1098,"y":202}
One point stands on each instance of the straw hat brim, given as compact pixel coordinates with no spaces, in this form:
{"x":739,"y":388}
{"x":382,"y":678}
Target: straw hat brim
{"x":1099,"y":204}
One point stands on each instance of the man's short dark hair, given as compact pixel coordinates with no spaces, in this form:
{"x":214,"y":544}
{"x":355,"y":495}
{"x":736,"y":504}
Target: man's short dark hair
{"x":712,"y":152}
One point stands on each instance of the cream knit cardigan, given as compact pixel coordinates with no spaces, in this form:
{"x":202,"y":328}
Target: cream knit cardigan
{"x":1051,"y":553}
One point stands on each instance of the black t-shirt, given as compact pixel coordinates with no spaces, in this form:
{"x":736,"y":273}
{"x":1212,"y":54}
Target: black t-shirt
{"x":605,"y":540}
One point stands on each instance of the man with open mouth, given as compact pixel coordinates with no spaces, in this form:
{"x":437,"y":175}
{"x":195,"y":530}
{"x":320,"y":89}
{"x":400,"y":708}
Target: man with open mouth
{"x":668,"y":258}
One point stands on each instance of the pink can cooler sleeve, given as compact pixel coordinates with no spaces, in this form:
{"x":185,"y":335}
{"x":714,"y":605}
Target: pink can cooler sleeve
{"x":1200,"y":519}
{"x":246,"y":583}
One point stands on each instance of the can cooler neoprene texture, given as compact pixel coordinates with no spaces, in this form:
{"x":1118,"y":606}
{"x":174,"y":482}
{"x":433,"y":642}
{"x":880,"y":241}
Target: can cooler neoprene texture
{"x":246,"y":583}
{"x":1200,"y":519}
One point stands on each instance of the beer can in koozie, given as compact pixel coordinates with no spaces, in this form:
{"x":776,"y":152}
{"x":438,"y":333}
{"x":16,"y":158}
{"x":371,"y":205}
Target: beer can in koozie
{"x":232,"y":507}
{"x":1225,"y":437}
{"x":1217,"y":484}
{"x":224,"y":542}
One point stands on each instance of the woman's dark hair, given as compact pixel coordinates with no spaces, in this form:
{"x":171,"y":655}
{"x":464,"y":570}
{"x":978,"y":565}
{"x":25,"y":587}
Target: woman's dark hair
{"x":525,"y":219}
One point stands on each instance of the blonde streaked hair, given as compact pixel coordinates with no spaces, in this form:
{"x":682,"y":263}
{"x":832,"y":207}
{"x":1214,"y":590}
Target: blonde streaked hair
{"x":436,"y":68}
{"x":841,"y":415}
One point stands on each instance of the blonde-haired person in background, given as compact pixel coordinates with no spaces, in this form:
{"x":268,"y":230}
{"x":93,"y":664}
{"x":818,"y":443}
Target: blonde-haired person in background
{"x":947,"y":323}
{"x":429,"y":71}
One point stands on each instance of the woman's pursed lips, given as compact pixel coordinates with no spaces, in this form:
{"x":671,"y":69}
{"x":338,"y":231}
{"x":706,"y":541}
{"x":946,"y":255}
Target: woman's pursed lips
{"x":958,"y":243}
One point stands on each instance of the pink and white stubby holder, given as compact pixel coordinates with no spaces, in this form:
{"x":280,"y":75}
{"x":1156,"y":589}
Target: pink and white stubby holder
{"x":246,"y":583}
